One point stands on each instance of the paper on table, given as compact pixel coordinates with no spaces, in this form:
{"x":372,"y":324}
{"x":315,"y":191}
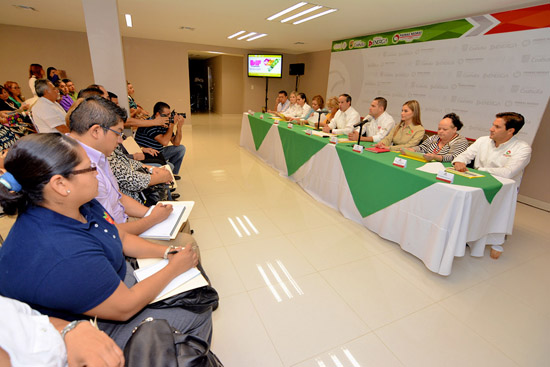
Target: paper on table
{"x":433,"y":167}
{"x":191,"y":279}
{"x":322,"y":133}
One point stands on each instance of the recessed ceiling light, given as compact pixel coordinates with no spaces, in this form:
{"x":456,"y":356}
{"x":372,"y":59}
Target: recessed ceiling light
{"x":128,"y":20}
{"x":185,"y":28}
{"x":299,"y":5}
{"x":301,"y":13}
{"x":236,"y":34}
{"x":315,"y":16}
{"x":256,"y":37}
{"x":246,"y":36}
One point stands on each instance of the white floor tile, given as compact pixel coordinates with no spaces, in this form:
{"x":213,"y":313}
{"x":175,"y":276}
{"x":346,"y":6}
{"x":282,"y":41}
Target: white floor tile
{"x":222,"y":272}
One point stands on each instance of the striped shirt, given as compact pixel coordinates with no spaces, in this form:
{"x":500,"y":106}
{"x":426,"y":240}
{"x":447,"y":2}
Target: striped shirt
{"x":449,"y":151}
{"x":145,"y":137}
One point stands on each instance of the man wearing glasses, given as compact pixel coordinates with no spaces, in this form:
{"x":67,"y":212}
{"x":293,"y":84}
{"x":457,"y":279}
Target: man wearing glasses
{"x":159,"y":138}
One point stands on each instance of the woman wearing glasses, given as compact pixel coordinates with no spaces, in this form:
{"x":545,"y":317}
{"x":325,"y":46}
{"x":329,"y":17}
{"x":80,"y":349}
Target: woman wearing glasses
{"x":64,"y":254}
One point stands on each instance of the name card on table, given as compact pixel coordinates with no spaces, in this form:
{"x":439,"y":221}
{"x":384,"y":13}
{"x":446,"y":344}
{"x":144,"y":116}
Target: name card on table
{"x":400,"y":162}
{"x":445,"y":176}
{"x":358,"y":148}
{"x":262,"y":116}
{"x":334,"y":140}
{"x":309,"y":132}
{"x":290,"y":125}
{"x":275,"y":122}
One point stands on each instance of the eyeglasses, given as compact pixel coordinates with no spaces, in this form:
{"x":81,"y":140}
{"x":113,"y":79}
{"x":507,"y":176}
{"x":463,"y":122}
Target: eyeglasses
{"x":122,"y":136}
{"x":92,"y":168}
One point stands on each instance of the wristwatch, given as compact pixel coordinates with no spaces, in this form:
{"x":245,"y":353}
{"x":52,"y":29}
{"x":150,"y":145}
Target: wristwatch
{"x":151,"y":170}
{"x":70,"y":326}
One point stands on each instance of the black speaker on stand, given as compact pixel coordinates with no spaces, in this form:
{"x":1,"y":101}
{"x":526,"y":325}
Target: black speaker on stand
{"x":296,"y":69}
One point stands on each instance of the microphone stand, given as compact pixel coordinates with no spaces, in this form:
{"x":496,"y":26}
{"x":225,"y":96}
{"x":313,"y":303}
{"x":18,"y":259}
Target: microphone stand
{"x":360,"y":132}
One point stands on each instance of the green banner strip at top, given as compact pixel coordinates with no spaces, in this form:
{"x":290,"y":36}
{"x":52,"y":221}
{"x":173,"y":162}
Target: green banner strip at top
{"x":375,"y":183}
{"x":260,"y":128}
{"x":432,"y":32}
{"x":298,"y":147}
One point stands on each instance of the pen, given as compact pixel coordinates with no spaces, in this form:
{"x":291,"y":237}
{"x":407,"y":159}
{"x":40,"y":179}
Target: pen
{"x":172,"y":252}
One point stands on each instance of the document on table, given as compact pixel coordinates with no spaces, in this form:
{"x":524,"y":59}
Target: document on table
{"x":433,"y":167}
{"x":322,"y":133}
{"x":191,"y":279}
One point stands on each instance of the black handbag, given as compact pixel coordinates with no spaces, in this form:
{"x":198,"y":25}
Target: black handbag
{"x":154,"y":343}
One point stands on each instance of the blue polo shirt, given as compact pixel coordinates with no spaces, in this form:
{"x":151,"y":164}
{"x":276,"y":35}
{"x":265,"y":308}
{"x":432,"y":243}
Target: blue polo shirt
{"x":60,"y":266}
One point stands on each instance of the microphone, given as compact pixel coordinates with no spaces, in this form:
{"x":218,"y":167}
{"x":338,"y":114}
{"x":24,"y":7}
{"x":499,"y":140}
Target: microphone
{"x":361,"y":123}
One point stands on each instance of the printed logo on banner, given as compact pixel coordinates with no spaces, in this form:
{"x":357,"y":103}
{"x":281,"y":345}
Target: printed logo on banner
{"x":356,"y":44}
{"x":378,"y":41}
{"x":407,"y":36}
{"x":340,"y":46}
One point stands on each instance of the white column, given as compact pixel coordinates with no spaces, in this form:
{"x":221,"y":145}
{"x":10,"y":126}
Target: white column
{"x":105,"y":44}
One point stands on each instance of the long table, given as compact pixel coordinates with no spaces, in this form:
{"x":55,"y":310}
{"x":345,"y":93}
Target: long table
{"x":427,"y":218}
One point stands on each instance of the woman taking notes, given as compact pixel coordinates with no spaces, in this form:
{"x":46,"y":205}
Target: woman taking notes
{"x":64,"y":254}
{"x":408,"y":133}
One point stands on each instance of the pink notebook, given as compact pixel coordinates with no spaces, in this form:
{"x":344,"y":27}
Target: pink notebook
{"x":377,"y":150}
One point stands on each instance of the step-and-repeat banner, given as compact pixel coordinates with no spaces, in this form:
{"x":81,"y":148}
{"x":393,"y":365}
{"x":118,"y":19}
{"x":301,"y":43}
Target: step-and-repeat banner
{"x":475,"y":67}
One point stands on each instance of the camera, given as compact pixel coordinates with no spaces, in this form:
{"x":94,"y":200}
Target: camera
{"x":173,"y":114}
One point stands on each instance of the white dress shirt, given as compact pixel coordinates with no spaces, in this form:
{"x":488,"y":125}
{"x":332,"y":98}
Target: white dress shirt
{"x":343,"y":122}
{"x":379,"y":127}
{"x":46,"y":115}
{"x":508,"y":160}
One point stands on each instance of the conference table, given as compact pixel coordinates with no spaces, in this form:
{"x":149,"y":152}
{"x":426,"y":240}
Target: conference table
{"x":431,"y":219}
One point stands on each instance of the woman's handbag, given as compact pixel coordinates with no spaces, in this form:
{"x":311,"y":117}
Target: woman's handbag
{"x":154,"y":343}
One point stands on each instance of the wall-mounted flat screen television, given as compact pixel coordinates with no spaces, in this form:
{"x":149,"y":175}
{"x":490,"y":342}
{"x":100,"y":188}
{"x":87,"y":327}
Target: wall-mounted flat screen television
{"x":269,"y":66}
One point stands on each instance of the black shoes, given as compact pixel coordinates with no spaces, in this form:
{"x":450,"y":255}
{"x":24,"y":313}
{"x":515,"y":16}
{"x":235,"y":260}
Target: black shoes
{"x":177,"y":177}
{"x":175,"y":196}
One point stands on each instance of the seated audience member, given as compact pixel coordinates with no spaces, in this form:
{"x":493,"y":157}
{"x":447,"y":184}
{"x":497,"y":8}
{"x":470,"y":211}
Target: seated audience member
{"x":344,"y":119}
{"x":332,"y":106}
{"x":133,"y":176}
{"x":52,"y":74}
{"x":71,"y":88}
{"x":501,"y":153}
{"x":282,"y":102}
{"x":303,"y":112}
{"x":28,"y":338}
{"x":88,"y":92}
{"x":409,"y":132}
{"x":136,"y":110}
{"x":97,"y":124}
{"x":159,"y":137}
{"x":65,"y":100}
{"x":15,"y":93}
{"x":317,"y":103}
{"x":47,"y":114}
{"x":6,"y":104}
{"x":74,"y":254}
{"x":35,"y":72}
{"x":380,"y":125}
{"x":104,"y":92}
{"x":447,"y":144}
{"x":113,"y":97}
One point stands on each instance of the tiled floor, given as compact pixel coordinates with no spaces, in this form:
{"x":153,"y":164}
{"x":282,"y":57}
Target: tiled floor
{"x":302,"y":286}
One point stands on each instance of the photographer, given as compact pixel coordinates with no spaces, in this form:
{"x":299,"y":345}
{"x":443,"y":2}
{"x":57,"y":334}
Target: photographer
{"x":158,"y":137}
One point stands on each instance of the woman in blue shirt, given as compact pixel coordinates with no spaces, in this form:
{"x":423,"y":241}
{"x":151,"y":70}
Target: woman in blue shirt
{"x":64,"y":255}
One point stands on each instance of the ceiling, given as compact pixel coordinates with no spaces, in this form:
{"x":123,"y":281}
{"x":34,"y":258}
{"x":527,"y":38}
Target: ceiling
{"x":211,"y":21}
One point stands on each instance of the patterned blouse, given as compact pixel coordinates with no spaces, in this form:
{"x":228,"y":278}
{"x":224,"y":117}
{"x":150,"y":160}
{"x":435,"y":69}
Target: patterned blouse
{"x":449,"y":151}
{"x":129,"y":174}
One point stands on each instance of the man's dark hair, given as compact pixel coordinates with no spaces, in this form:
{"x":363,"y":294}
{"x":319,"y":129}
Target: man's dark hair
{"x":88,"y":92}
{"x":66,"y":80}
{"x":283,"y":92}
{"x":348,"y":97}
{"x":159,"y":106}
{"x":383,"y":102}
{"x":95,"y":110}
{"x":41,"y":86}
{"x":513,"y":120}
{"x":455,"y":119}
{"x":112,"y":95}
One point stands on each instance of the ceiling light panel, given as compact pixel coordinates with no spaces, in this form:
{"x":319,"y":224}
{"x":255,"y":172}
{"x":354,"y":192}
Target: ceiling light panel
{"x":288,"y":10}
{"x":302,"y":12}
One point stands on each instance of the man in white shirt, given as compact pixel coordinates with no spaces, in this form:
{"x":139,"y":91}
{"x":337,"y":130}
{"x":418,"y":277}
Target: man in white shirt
{"x":48,"y":115}
{"x":345,"y":117}
{"x":282,"y":102}
{"x":500,"y":153}
{"x":380,"y":123}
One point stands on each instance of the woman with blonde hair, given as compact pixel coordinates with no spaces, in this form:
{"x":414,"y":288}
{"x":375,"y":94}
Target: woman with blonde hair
{"x":332,"y":106}
{"x":409,"y":132}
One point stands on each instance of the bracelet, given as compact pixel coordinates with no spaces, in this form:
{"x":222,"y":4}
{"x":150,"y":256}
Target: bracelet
{"x":168,"y":249}
{"x":70,"y":327}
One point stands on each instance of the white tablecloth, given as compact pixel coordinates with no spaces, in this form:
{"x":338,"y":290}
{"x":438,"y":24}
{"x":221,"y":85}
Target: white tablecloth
{"x":434,"y":224}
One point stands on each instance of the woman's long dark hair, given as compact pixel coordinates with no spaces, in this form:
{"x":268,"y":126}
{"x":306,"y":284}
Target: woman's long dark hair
{"x":33,"y":161}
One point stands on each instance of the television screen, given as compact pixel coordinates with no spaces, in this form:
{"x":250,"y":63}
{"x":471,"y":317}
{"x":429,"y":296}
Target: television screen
{"x":270,"y":66}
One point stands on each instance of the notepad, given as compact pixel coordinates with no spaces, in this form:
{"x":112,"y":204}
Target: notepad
{"x":377,"y":150}
{"x":169,"y":228}
{"x":184,"y":282}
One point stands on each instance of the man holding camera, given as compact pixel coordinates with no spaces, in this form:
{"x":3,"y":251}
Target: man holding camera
{"x":159,"y":137}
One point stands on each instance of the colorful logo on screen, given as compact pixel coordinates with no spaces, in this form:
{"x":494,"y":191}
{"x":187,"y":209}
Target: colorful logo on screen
{"x":270,"y":63}
{"x":378,"y":41}
{"x":407,"y":36}
{"x":255,"y":62}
